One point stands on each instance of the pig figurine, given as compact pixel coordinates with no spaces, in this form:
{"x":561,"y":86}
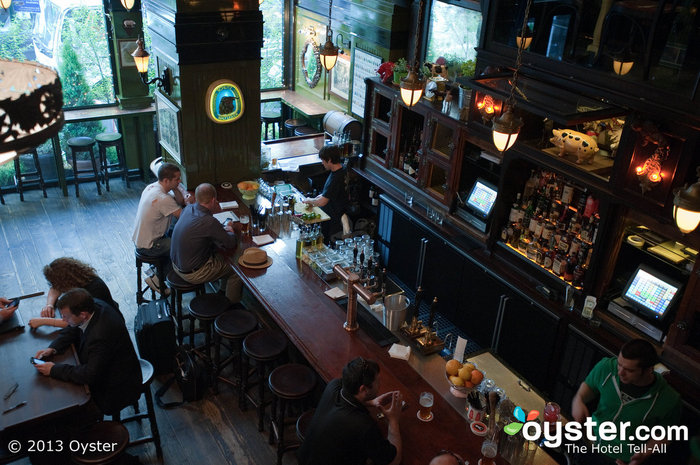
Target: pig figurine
{"x":575,"y":143}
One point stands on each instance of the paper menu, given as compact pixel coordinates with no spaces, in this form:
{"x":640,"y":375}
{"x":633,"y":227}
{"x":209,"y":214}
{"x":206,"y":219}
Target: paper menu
{"x":225,"y":216}
{"x":231,"y":204}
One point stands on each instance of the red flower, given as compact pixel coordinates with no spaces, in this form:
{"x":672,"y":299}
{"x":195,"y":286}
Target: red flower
{"x":386,"y":71}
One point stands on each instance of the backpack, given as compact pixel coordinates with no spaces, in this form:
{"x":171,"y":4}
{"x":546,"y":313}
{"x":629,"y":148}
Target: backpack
{"x":192,"y":374}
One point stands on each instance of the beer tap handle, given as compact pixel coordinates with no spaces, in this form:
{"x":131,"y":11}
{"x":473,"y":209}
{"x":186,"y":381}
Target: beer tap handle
{"x":354,"y":254}
{"x":431,"y":317}
{"x":362,"y":258}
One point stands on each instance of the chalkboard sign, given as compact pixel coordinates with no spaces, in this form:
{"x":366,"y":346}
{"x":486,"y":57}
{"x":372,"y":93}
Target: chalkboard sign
{"x":365,"y":65}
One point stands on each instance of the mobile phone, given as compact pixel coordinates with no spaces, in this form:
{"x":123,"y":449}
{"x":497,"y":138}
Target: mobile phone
{"x":14,"y":303}
{"x":36,"y":361}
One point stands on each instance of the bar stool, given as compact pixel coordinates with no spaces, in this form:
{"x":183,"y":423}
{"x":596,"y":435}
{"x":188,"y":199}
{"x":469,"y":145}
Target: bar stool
{"x":291,"y":124}
{"x":161,"y":264}
{"x":206,"y":308}
{"x":292,"y":382}
{"x":104,"y":141}
{"x":104,"y":432}
{"x":304,"y":131}
{"x":271,"y":119}
{"x":28,"y":176}
{"x":233,"y":326}
{"x":83,"y":145}
{"x":303,"y":423}
{"x":179,"y":287}
{"x":264,"y":346}
{"x":150,"y":414}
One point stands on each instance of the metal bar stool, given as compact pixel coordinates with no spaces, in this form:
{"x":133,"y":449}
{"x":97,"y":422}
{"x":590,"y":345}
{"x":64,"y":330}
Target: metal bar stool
{"x":150,"y":414}
{"x":291,"y":124}
{"x":105,"y":432}
{"x":232,"y":326}
{"x":161,"y":264}
{"x":83,"y":145}
{"x":178,"y":287}
{"x":264,"y":346}
{"x":32,"y":176}
{"x":292,"y":382}
{"x":104,"y":141}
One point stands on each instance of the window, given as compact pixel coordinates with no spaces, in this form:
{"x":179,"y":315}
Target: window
{"x":453,"y":33}
{"x":272,"y":63}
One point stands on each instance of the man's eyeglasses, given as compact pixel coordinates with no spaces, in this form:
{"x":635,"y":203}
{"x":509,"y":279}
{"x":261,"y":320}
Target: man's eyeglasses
{"x":449,"y":452}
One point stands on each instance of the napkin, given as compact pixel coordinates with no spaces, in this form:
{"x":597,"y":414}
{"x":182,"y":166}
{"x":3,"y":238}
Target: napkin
{"x":225,"y":216}
{"x":231,"y":204}
{"x":263,"y":239}
{"x":399,"y":351}
{"x":335,"y":293}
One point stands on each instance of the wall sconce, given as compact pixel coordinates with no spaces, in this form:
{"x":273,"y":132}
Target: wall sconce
{"x":340,"y":41}
{"x":686,"y":206}
{"x":141,"y":57}
{"x":128,"y":4}
{"x":412,"y":85}
{"x":5,"y":3}
{"x":488,"y":107}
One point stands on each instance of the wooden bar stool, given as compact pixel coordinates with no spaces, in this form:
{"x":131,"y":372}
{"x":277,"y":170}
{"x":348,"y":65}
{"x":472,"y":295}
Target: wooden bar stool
{"x":232,"y":326}
{"x":303,"y":423}
{"x":161,"y":264}
{"x":104,"y":141}
{"x":271,"y":120}
{"x":32,"y":176}
{"x":179,"y":287}
{"x":291,"y":124}
{"x":264,"y":346}
{"x":150,"y":414}
{"x":289,"y":383}
{"x":304,"y":131}
{"x":206,"y":308}
{"x":105,"y":432}
{"x":83,"y":145}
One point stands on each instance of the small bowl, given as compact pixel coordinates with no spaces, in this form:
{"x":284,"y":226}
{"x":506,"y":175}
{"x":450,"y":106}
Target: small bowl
{"x":248,"y":189}
{"x":462,"y":391}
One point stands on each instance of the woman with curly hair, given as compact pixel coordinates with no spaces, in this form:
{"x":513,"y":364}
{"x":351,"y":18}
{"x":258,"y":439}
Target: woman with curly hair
{"x":66,"y":273}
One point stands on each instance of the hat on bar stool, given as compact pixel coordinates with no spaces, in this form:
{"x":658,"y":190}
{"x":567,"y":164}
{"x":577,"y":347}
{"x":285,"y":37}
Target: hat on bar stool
{"x":254,"y":257}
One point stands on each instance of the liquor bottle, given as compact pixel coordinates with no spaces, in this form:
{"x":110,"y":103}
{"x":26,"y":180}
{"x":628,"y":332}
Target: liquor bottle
{"x":415,"y":164}
{"x":580,"y":270}
{"x":564,"y":243}
{"x":515,"y":211}
{"x":505,"y":232}
{"x":542,"y":251}
{"x":524,"y":240}
{"x":575,"y":246}
{"x":407,"y":162}
{"x":569,"y":267}
{"x":581,"y":205}
{"x":517,"y":232}
{"x":559,"y":263}
{"x":587,"y":231}
{"x":531,"y":186}
{"x":567,"y":193}
{"x":591,"y":206}
{"x":549,"y":258}
{"x":533,"y":248}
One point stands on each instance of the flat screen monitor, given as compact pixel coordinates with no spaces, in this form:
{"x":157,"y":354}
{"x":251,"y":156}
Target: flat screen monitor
{"x":651,"y":293}
{"x":482,"y":198}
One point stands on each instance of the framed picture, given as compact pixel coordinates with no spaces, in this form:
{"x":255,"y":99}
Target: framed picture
{"x":340,"y":77}
{"x":168,"y":126}
{"x":126,"y":48}
{"x":364,"y":65}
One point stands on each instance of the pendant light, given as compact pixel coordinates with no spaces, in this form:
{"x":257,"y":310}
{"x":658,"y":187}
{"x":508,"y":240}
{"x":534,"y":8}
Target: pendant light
{"x":329,"y":52}
{"x":686,"y":207}
{"x":128,"y":4}
{"x":5,"y":3}
{"x":413,"y":84}
{"x":507,"y":126}
{"x":623,"y":62}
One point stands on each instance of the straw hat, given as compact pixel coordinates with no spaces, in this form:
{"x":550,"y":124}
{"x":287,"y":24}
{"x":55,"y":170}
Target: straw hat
{"x":254,"y":257}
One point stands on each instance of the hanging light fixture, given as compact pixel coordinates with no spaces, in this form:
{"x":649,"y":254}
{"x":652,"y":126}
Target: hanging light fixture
{"x":524,"y":39}
{"x":506,"y":128}
{"x":623,"y":62}
{"x":686,"y":206}
{"x":413,"y":84}
{"x":5,"y":3}
{"x":141,"y":57}
{"x":31,"y":106}
{"x":329,"y":52}
{"x":127,"y":4}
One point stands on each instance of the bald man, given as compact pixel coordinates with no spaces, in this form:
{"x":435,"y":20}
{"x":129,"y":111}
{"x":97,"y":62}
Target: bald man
{"x":197,"y":237}
{"x":445,"y":457}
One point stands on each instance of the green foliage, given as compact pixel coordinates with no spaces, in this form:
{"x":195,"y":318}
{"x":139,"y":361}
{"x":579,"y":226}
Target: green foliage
{"x":272,"y":63}
{"x":15,"y":43}
{"x":7,"y":173}
{"x":468,"y":68}
{"x":401,"y":66}
{"x":76,"y":91}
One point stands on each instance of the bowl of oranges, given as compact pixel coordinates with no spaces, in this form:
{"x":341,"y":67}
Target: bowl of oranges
{"x":248,"y":189}
{"x":463,"y":377}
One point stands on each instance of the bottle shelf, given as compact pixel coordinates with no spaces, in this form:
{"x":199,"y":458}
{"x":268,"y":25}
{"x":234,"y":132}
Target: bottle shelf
{"x":534,"y":264}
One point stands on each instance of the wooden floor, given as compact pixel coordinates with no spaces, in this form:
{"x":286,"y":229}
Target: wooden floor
{"x":97,"y":230}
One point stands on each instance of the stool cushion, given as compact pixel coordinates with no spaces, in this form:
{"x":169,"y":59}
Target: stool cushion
{"x":235,"y":323}
{"x":81,"y":141}
{"x":150,"y":259}
{"x":175,"y":281}
{"x":294,"y":123}
{"x":209,"y":306}
{"x":105,"y":432}
{"x":303,"y":423}
{"x":108,"y":137}
{"x":292,"y":381}
{"x":265,"y":344}
{"x":270,"y":116}
{"x":146,"y":372}
{"x":304,"y":130}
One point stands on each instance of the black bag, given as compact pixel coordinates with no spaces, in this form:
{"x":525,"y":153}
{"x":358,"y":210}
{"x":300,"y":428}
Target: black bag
{"x":192,"y":374}
{"x":155,"y":335}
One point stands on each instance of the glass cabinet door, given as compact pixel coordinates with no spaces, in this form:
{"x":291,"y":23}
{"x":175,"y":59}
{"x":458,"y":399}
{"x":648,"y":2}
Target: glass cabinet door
{"x":409,"y":143}
{"x":441,"y":140}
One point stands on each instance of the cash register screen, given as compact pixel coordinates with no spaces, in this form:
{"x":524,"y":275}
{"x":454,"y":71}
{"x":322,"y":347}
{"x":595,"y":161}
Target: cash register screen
{"x":650,"y":292}
{"x":482,"y":198}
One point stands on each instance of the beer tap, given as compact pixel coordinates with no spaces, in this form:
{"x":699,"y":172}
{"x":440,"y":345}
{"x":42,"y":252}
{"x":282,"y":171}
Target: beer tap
{"x":354,"y":287}
{"x":430,"y":342}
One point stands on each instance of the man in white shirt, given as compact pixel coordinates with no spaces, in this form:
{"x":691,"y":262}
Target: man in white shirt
{"x":160,"y":203}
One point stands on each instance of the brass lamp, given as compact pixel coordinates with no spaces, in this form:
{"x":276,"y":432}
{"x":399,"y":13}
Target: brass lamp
{"x":524,"y":39}
{"x":329,"y":52}
{"x":686,"y":207}
{"x":141,"y":57}
{"x":128,"y":4}
{"x":413,"y":84}
{"x":623,"y":62}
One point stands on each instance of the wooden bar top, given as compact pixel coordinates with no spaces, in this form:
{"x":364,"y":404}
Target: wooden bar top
{"x":109,"y":112}
{"x":294,"y":297}
{"x":305,"y":105}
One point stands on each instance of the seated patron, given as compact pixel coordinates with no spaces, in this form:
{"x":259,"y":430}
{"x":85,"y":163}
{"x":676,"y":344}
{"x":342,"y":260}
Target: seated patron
{"x":108,"y":362}
{"x":67,"y":273}
{"x":343,"y":431}
{"x":445,"y":457}
{"x":627,"y":389}
{"x":195,"y":242}
{"x":161,"y":203}
{"x":5,"y":310}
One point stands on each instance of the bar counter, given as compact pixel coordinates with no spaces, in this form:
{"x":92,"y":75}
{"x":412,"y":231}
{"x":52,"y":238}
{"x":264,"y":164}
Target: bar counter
{"x":293,"y":295}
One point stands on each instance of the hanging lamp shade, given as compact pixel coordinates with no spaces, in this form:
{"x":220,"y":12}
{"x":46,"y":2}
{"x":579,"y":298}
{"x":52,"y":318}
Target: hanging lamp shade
{"x":622,"y":62}
{"x":141,"y":57}
{"x":329,"y":54}
{"x":506,"y":129}
{"x":686,"y":207}
{"x":5,"y":3}
{"x":411,"y":88}
{"x":128,"y":4}
{"x":524,"y":40}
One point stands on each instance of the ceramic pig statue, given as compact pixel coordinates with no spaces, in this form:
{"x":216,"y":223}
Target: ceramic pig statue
{"x":575,"y":143}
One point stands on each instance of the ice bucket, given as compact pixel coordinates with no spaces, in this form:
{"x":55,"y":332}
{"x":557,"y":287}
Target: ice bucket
{"x":395,"y":311}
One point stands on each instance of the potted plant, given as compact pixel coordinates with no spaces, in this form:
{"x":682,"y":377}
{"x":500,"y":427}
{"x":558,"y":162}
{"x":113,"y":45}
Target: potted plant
{"x":400,"y":70}
{"x":466,"y":70}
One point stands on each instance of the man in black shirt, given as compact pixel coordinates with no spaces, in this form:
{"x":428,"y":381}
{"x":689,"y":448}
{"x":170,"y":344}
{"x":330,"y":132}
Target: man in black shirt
{"x":343,"y":432}
{"x":333,"y":199}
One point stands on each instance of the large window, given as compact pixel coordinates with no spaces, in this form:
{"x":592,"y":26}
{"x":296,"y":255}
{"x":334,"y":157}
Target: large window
{"x":453,"y":33}
{"x":272,"y":64}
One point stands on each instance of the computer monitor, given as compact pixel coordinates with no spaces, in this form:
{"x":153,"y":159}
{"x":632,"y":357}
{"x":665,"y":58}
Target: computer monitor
{"x":482,"y":198}
{"x":651,"y":293}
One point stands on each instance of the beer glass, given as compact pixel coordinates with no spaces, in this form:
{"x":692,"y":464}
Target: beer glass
{"x":426,"y":405}
{"x":245,"y":223}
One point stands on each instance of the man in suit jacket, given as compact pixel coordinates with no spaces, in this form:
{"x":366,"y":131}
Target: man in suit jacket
{"x":108,"y":362}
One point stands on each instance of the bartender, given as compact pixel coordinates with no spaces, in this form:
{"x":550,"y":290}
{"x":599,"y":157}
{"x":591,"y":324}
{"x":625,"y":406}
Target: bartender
{"x":333,"y":199}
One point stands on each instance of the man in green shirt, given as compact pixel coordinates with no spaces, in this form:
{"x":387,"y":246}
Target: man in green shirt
{"x":628,"y":390}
